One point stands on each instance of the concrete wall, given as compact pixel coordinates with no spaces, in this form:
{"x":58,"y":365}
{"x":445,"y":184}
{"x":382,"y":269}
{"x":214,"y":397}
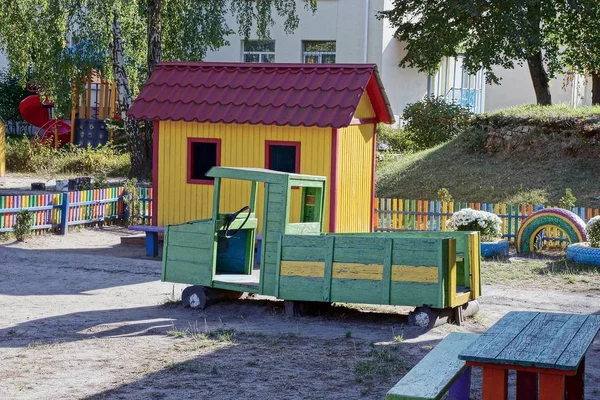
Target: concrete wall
{"x":343,"y":21}
{"x":516,"y":89}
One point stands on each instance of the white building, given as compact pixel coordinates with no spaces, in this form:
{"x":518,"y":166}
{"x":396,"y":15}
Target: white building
{"x":347,"y":31}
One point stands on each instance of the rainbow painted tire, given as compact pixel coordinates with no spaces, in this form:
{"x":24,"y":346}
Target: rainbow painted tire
{"x":582,"y":253}
{"x":570,"y":223}
{"x":490,"y":249}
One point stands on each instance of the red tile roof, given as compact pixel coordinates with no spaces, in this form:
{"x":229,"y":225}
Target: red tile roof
{"x":324,"y":95}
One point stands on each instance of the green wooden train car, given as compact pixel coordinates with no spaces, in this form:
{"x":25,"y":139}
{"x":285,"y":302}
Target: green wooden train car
{"x":428,"y":270}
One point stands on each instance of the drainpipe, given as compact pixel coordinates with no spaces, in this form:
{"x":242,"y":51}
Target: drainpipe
{"x":366,"y":30}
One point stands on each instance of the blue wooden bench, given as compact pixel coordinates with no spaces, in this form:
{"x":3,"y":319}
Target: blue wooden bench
{"x":151,"y":237}
{"x":440,"y":371}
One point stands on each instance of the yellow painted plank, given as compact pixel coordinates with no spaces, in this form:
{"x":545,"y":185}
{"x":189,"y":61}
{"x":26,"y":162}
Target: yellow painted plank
{"x":357,"y":271}
{"x":308,"y":269}
{"x":420,"y":274}
{"x":365,"y":108}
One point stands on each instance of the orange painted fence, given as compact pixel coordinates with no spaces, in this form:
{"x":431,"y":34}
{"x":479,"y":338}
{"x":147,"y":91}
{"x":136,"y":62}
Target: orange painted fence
{"x":58,"y":211}
{"x":432,"y":215}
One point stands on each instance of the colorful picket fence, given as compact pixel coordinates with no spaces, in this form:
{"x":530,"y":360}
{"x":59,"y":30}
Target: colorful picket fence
{"x":433,"y":215}
{"x":58,"y":211}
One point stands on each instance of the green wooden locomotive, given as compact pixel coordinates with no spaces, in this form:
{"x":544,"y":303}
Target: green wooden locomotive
{"x":435,"y":272}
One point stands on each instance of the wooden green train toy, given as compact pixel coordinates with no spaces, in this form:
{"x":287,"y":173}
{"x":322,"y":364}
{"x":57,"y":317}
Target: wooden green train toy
{"x":438,"y":273}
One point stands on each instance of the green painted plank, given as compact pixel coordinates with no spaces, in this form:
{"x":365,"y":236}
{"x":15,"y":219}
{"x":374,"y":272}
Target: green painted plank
{"x":328,"y":268}
{"x":191,"y":239}
{"x":188,"y":254}
{"x":356,"y":291}
{"x":431,"y":378}
{"x":278,"y":269}
{"x":494,"y":340}
{"x":574,"y":353}
{"x":301,"y":288}
{"x":236,"y":287}
{"x":305,"y":183}
{"x":415,"y":294}
{"x":305,"y":228}
{"x":387,"y":272}
{"x":371,"y":243}
{"x":358,"y":255}
{"x":305,"y":241}
{"x":187,"y":272}
{"x":542,"y":341}
{"x":248,"y":174}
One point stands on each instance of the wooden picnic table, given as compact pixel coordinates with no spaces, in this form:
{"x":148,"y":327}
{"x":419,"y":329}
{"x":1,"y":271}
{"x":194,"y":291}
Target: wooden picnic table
{"x":548,"y":346}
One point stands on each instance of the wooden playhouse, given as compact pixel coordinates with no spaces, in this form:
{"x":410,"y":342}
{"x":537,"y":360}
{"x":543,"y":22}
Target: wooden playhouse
{"x":293,"y":118}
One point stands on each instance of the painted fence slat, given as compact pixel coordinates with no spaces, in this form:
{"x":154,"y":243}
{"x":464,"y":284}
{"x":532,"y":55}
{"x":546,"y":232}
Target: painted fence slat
{"x":56,"y":211}
{"x":405,"y":214}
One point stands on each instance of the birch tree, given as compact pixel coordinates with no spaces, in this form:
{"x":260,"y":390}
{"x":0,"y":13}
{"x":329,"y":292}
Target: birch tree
{"x":59,"y":42}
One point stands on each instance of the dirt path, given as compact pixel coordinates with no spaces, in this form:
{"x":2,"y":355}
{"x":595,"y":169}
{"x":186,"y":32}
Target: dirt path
{"x":84,"y":317}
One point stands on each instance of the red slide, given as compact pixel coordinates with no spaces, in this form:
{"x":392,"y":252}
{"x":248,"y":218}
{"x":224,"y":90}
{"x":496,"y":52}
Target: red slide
{"x":33,"y":111}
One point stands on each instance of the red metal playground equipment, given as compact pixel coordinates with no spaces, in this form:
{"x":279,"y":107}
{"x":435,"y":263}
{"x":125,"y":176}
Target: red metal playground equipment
{"x":95,"y":103}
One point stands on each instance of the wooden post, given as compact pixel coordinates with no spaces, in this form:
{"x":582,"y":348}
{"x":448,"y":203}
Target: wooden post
{"x":574,"y":385}
{"x":495,"y":384}
{"x":64,"y":217}
{"x":527,"y":385}
{"x":552,"y":387}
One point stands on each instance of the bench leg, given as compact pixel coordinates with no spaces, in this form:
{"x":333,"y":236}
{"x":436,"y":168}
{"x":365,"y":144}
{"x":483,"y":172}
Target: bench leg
{"x":527,"y":385}
{"x":495,"y":384}
{"x":152,"y":244}
{"x":574,"y":385}
{"x":461,"y":388}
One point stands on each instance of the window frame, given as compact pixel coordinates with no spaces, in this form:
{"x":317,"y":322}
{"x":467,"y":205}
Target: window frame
{"x":318,"y":54}
{"x":190,"y":142}
{"x":269,"y":143}
{"x":260,"y":54}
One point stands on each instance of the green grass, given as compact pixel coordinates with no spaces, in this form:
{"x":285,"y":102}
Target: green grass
{"x":546,"y":273}
{"x":545,"y":113}
{"x":383,"y":362}
{"x":537,"y":175}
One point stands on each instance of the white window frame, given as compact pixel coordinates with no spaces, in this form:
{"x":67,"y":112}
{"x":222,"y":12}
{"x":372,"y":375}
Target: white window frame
{"x":261,"y":54}
{"x":318,"y":54}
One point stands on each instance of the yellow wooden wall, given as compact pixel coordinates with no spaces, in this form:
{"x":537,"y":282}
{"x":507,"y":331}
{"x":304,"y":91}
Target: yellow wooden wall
{"x":355,"y":181}
{"x":241,"y":146}
{"x":2,"y":149}
{"x":364,"y":109}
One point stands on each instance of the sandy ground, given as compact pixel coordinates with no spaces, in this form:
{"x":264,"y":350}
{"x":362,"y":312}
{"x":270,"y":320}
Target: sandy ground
{"x":86,"y":317}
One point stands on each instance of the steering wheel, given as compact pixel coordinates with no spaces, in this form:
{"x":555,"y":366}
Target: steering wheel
{"x":232,"y":217}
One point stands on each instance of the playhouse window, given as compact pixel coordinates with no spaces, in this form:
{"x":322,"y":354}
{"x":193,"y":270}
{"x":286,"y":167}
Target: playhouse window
{"x":203,"y":154}
{"x":283,"y":156}
{"x":318,"y":52}
{"x":262,"y":51}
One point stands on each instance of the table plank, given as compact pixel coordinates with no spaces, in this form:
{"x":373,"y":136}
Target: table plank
{"x":542,"y":342}
{"x":491,"y":343}
{"x":571,"y":357}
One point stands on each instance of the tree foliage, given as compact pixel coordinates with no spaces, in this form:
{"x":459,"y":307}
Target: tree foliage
{"x":488,"y":34}
{"x":61,"y":41}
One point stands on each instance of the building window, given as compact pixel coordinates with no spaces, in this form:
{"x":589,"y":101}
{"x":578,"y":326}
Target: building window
{"x":203,"y":154}
{"x":318,"y":52}
{"x":283,"y":156}
{"x":259,"y":51}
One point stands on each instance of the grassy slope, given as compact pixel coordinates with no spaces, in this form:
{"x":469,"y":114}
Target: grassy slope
{"x":537,"y":174}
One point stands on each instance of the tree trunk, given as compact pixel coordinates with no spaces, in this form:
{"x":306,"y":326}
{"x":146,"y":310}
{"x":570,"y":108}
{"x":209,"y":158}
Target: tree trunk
{"x":540,"y":79}
{"x":595,"y":88}
{"x":140,"y":165}
{"x":154,"y":34}
{"x":153,"y":57}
